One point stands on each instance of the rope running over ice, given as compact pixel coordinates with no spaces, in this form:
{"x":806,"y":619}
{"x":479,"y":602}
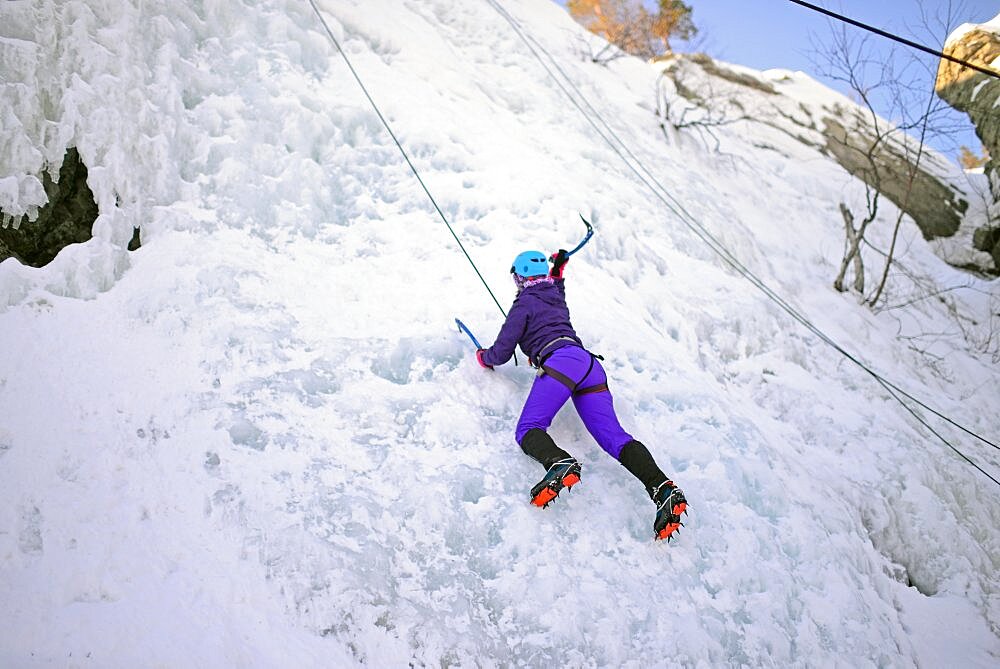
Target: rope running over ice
{"x":646,"y":177}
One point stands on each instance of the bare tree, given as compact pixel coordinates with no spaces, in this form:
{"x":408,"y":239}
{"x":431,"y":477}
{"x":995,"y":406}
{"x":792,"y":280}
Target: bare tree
{"x":699,"y":104}
{"x":851,"y":60}
{"x":885,"y":144}
{"x":599,"y":51}
{"x":931,"y":121}
{"x":852,"y":250}
{"x":885,"y":141}
{"x":631,"y":27}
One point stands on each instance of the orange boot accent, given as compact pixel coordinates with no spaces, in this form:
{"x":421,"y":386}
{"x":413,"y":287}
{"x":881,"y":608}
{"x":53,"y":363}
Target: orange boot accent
{"x":544,"y":496}
{"x":668,"y":531}
{"x":548,"y":493}
{"x":546,"y":490}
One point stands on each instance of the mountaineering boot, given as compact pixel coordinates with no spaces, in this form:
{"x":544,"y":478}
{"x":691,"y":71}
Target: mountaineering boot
{"x":670,"y":504}
{"x":562,"y":474}
{"x":669,"y":500}
{"x":562,"y":470}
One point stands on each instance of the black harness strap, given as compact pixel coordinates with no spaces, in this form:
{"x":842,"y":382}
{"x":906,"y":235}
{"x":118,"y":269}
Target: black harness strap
{"x":560,"y":377}
{"x":599,"y":388}
{"x":574,"y":386}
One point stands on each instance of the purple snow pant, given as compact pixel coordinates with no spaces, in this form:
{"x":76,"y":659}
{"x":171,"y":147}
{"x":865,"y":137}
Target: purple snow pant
{"x":548,"y":395}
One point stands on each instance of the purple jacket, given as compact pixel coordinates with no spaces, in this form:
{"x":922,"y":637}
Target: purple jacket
{"x":538,"y":316}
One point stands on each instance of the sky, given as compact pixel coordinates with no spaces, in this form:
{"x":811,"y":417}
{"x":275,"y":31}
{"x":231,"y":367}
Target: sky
{"x":765,"y":34}
{"x":776,"y":33}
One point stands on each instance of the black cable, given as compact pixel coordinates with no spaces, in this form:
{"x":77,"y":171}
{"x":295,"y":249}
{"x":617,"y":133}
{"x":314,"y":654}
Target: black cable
{"x":889,"y":388}
{"x":664,"y":196}
{"x":706,"y":236}
{"x":403,"y":151}
{"x":897,"y":38}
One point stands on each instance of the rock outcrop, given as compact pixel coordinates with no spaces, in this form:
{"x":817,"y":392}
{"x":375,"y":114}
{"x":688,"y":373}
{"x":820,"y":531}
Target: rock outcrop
{"x":835,"y":127}
{"x":68,"y":218}
{"x":934,"y":206}
{"x":978,"y":94}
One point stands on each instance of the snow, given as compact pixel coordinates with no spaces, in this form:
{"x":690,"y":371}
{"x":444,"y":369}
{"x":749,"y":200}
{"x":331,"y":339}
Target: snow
{"x":993,"y":25}
{"x":259,"y":440}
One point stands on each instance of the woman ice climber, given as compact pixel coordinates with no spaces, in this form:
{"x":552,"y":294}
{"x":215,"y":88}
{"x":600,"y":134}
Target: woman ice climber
{"x":539,"y":322}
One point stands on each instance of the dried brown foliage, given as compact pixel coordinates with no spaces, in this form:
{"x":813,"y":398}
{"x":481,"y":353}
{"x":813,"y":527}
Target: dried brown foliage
{"x":631,"y":27}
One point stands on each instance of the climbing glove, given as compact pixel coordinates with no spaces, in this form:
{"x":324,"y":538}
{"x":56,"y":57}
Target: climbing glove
{"x":558,"y":260}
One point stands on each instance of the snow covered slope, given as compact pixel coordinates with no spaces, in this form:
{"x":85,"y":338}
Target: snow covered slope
{"x":259,"y":440}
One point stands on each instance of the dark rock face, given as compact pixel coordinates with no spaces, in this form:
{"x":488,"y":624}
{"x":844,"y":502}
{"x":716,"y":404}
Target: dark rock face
{"x":984,"y":239}
{"x":987,"y":239}
{"x":936,"y":208}
{"x":68,"y":218}
{"x":136,"y":240}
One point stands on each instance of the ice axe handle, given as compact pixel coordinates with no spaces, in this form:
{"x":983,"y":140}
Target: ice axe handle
{"x":462,"y":328}
{"x":590,"y":233}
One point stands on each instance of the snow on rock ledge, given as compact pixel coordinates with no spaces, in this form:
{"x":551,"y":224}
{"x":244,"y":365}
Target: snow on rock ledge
{"x":978,"y":95}
{"x":781,"y":105}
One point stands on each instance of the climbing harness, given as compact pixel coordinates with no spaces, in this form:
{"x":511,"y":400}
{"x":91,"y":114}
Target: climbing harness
{"x":574,"y":386}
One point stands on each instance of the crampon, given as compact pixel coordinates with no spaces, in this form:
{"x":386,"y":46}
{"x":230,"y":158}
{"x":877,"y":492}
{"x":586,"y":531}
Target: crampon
{"x":670,"y":504}
{"x":562,"y":474}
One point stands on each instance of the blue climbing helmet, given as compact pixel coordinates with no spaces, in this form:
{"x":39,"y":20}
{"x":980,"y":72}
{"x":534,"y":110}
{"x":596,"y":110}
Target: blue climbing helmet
{"x":530,"y":264}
